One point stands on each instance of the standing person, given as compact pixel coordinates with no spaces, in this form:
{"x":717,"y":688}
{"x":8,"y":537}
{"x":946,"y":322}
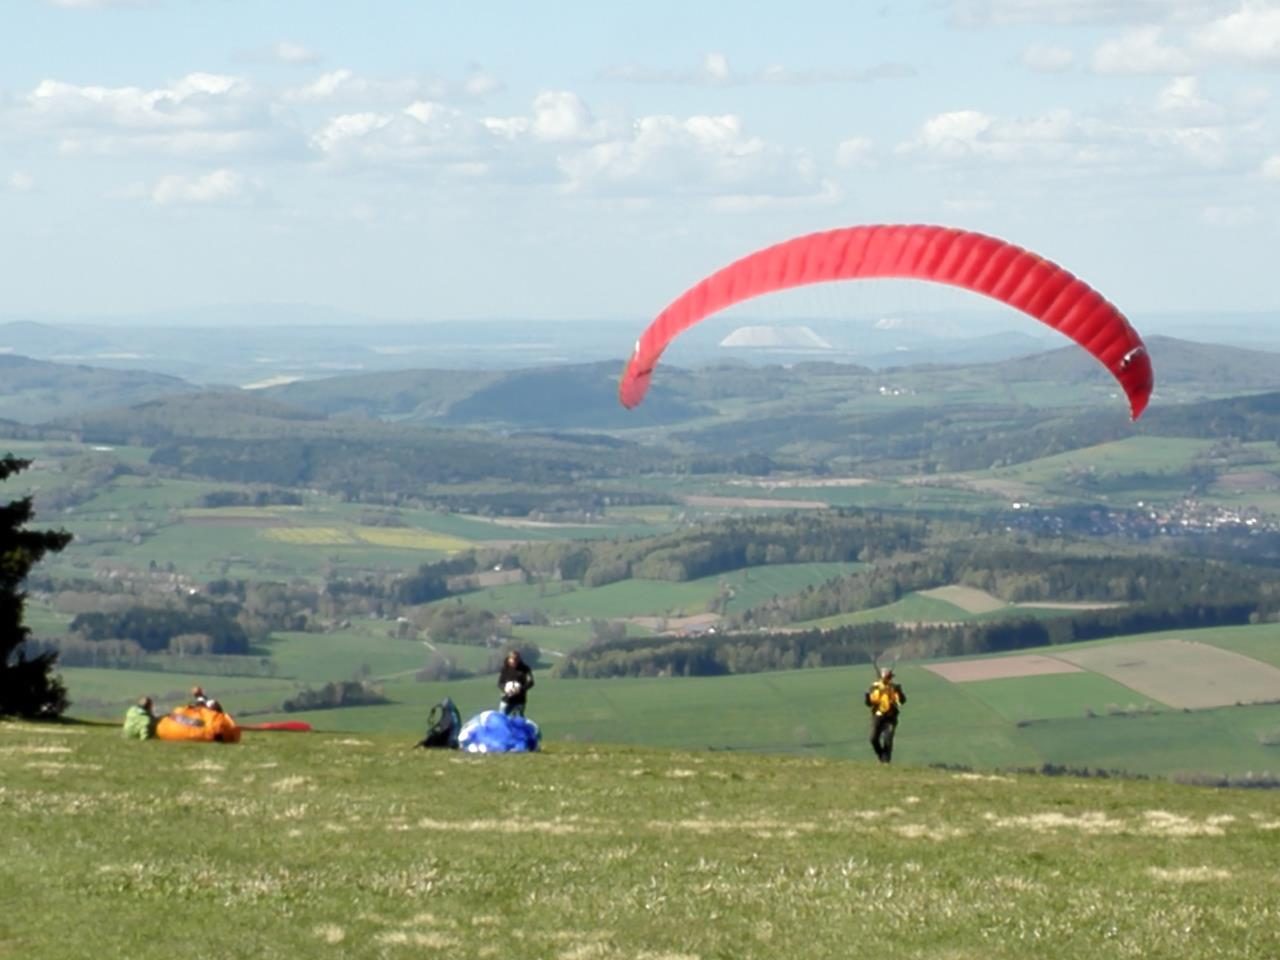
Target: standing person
{"x":515,"y":680}
{"x":884,"y":698}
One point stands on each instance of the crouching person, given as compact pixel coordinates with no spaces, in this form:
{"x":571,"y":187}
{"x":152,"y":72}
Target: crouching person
{"x":140,"y":721}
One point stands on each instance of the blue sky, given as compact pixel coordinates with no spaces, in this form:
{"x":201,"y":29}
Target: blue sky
{"x":436,"y":160}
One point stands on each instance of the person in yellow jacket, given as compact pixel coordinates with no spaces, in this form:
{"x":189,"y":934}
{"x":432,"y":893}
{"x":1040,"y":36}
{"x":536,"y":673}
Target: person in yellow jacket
{"x":884,"y":698}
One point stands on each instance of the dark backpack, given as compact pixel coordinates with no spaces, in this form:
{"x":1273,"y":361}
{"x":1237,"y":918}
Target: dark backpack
{"x":443,"y":725}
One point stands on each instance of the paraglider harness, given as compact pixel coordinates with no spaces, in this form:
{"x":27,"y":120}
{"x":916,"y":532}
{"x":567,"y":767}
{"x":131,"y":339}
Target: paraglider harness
{"x":443,"y":725}
{"x":884,"y":696}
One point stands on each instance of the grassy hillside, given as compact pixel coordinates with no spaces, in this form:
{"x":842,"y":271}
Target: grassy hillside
{"x":740,"y":590}
{"x":354,"y":847}
{"x":33,"y":391}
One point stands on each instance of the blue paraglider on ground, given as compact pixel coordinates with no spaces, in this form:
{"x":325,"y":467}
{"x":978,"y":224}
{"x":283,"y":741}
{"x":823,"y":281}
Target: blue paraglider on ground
{"x":494,"y":732}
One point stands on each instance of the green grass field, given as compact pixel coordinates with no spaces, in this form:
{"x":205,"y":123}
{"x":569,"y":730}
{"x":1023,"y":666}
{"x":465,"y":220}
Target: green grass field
{"x":105,"y":694}
{"x":655,"y":598}
{"x":1021,"y":722}
{"x":314,"y":845}
{"x":917,"y":608}
{"x":913,"y":608}
{"x":365,"y":649}
{"x":1057,"y":696}
{"x":1131,"y":455}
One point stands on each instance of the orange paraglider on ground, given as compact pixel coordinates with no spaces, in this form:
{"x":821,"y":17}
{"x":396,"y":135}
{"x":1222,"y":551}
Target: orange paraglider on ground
{"x":205,"y":721}
{"x":958,"y":258}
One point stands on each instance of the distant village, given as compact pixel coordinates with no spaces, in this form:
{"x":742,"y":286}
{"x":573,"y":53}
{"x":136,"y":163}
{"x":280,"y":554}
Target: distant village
{"x":1186,"y":517}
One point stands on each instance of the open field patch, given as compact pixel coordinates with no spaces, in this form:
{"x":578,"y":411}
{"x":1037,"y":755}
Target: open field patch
{"x":1068,"y":605}
{"x":407,"y":538}
{"x":912,"y":608}
{"x":968,"y":599}
{"x":1042,"y":698}
{"x":696,"y":623}
{"x":257,"y":519}
{"x":803,"y":482}
{"x":997,"y":668}
{"x":751,"y":503}
{"x":1248,"y":481}
{"x":1182,"y":674}
{"x":311,"y":536}
{"x":1130,"y":455}
{"x":398,"y":538}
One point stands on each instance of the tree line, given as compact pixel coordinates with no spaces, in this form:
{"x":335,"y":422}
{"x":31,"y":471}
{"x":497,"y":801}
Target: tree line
{"x":756,"y":652}
{"x":699,"y":551}
{"x":1022,"y":574}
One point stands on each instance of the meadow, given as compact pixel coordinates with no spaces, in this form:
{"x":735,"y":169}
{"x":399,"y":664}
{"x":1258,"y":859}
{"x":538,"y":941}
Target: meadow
{"x":353,"y":846}
{"x":1081,"y":720}
{"x":734,"y":592}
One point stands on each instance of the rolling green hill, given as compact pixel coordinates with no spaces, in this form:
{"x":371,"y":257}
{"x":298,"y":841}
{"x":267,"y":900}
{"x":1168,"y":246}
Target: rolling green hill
{"x":35,"y":391}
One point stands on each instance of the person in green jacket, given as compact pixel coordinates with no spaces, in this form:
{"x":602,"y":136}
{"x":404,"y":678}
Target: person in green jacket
{"x":140,"y":721}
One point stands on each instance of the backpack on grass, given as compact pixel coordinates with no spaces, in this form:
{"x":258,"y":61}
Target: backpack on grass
{"x":443,"y":725}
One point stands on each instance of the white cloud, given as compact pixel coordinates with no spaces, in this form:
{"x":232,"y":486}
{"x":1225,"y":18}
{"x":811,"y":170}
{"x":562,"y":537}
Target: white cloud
{"x":1182,"y":97}
{"x":559,"y":115}
{"x":21,"y":181}
{"x":1250,"y":35}
{"x":716,"y":68}
{"x":218,"y":186}
{"x":347,"y":128}
{"x":855,"y":152}
{"x":425,"y":139}
{"x":956,"y":133}
{"x":1183,"y":127}
{"x":708,"y":156}
{"x":1047,"y":59}
{"x":1057,"y":136}
{"x":1141,"y":50}
{"x":323,"y":87}
{"x":201,"y":112}
{"x":348,"y":87}
{"x":1271,"y":167}
{"x":189,"y":102}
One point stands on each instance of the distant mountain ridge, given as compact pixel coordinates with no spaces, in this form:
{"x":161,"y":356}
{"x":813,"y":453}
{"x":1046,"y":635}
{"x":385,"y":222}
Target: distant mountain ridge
{"x":584,"y":396}
{"x":1177,"y":363}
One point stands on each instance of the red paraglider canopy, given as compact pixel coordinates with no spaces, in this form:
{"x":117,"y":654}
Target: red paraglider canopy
{"x":960,"y":258}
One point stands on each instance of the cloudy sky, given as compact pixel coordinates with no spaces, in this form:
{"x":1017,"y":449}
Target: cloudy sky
{"x":430,"y":159}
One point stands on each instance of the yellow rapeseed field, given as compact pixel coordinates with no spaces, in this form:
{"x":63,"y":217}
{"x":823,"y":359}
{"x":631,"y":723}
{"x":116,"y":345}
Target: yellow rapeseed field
{"x":400,"y":538}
